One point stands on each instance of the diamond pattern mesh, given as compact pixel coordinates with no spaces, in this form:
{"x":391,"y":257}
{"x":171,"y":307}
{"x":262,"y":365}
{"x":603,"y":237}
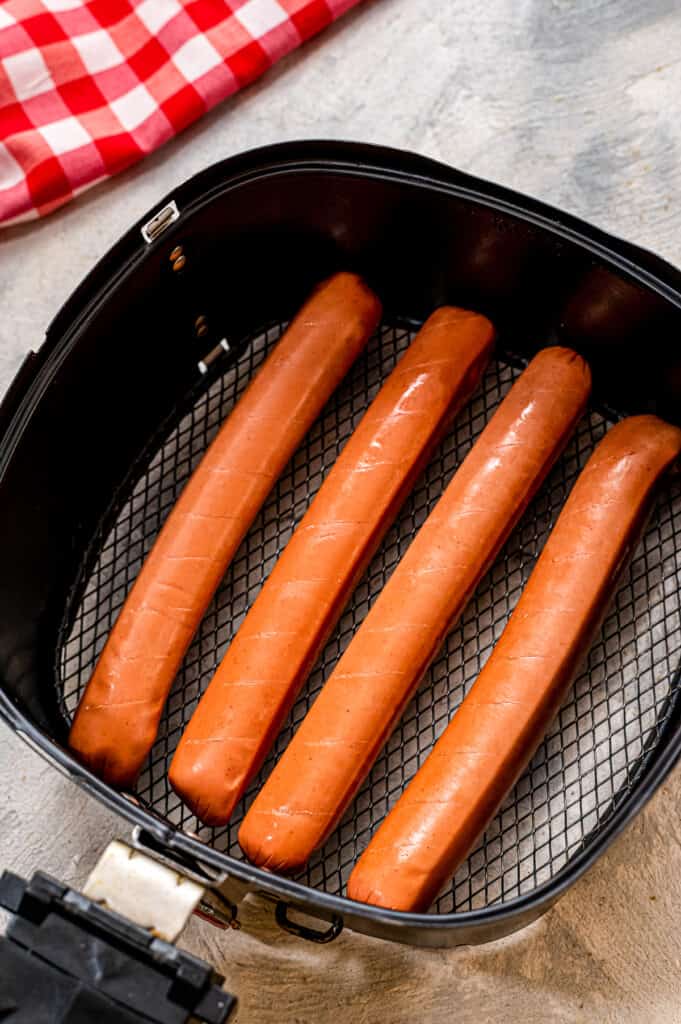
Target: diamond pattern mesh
{"x":591,"y":755}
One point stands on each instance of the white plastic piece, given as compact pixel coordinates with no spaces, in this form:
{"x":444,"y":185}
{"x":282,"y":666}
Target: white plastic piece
{"x":137,"y":887}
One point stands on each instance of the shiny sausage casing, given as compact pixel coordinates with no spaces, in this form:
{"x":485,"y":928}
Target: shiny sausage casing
{"x":117,"y":719}
{"x":498,"y":726}
{"x":343,"y":732}
{"x":273,"y":651}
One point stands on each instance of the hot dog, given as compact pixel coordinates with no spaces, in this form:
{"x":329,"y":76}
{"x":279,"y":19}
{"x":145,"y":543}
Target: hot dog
{"x":358,"y":707}
{"x":495,"y":731}
{"x":117,"y":719}
{"x":242,"y":710}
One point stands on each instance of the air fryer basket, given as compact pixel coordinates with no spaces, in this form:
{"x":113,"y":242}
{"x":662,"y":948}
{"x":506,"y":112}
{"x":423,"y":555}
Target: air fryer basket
{"x":104,"y":425}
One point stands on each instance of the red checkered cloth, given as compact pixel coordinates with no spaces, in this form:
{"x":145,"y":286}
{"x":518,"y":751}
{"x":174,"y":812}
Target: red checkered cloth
{"x":88,"y":88}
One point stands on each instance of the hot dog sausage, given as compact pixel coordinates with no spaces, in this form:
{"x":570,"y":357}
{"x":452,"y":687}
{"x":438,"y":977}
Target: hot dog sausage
{"x":359,"y":705}
{"x":495,"y":731}
{"x":117,"y":719}
{"x":242,"y":710}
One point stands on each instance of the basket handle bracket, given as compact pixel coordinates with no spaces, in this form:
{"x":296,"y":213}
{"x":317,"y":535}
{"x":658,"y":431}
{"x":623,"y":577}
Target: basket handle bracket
{"x":302,"y":931}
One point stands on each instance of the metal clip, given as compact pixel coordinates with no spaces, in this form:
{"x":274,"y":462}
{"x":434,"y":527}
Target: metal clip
{"x":157,"y":224}
{"x":213,"y":355}
{"x":221,"y":892}
{"x":218,"y":911}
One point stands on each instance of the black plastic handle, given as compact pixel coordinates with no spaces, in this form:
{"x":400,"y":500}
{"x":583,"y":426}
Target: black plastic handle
{"x":301,"y":930}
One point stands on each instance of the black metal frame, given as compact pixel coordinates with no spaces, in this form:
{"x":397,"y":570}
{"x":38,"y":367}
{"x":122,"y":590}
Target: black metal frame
{"x":591,"y":290}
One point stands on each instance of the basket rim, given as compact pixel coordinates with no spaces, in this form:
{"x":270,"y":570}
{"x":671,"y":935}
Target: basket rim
{"x":365,"y":161}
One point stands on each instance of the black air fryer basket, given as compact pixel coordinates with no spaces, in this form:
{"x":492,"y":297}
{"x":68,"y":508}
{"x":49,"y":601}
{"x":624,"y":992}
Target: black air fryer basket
{"x":106,"y":420}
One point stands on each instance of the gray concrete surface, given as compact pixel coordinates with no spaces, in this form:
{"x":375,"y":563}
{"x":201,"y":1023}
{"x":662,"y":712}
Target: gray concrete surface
{"x":578,"y":104}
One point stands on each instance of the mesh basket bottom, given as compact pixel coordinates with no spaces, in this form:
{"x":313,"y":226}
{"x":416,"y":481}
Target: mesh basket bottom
{"x":612,"y":716}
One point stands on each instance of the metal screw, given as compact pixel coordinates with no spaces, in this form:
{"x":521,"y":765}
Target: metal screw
{"x":176,"y":253}
{"x":179,"y":262}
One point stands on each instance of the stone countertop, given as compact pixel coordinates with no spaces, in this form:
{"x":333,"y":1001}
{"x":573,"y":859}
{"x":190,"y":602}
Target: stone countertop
{"x":577,"y":104}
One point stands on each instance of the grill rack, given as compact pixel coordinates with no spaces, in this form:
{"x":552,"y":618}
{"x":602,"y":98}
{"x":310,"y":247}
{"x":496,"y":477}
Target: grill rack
{"x":596,"y":747}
